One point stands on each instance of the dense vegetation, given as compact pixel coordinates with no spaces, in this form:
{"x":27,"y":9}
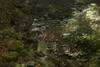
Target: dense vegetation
{"x":49,"y":33}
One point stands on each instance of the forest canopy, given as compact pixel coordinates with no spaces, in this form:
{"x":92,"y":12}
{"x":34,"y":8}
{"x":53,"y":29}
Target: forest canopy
{"x":49,"y":33}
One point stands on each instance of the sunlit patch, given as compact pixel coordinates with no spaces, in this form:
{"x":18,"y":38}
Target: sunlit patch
{"x":92,"y":16}
{"x":72,"y":25}
{"x":92,"y":13}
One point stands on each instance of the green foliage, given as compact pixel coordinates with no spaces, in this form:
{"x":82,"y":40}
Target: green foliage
{"x":42,"y":46}
{"x":10,"y":56}
{"x":71,"y":37}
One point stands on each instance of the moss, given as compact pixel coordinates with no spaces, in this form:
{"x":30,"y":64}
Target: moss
{"x":42,"y":46}
{"x":14,"y":45}
{"x":10,"y":56}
